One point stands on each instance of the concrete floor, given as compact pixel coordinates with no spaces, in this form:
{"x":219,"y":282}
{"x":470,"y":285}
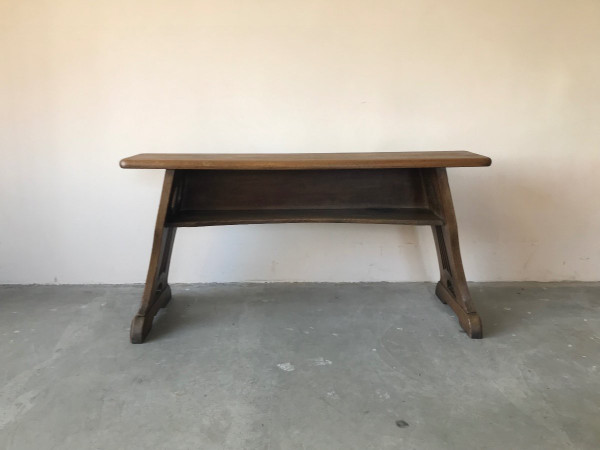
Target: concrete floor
{"x":293,"y":366}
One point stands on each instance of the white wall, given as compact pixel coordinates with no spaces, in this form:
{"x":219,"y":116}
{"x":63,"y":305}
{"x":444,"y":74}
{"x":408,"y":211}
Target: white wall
{"x":83,"y":84}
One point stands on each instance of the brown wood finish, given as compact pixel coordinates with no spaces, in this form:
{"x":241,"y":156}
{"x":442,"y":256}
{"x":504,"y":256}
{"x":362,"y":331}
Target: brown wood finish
{"x":400,"y":216}
{"x":301,"y":189}
{"x":452,"y":288}
{"x":304,"y":161}
{"x":157,"y":292}
{"x":296,"y":189}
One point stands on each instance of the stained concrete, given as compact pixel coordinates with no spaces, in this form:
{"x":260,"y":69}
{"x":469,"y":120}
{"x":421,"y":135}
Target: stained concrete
{"x":291,"y":366}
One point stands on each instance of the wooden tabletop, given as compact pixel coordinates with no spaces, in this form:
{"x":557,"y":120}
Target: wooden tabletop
{"x":303,"y":161}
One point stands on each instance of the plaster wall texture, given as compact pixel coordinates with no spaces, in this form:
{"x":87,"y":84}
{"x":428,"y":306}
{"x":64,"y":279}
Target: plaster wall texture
{"x":83,"y":84}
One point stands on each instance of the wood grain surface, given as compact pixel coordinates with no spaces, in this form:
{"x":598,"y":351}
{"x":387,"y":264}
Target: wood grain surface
{"x":303,"y":161}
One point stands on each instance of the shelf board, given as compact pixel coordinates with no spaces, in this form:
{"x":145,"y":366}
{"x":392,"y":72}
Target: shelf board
{"x":403,"y":216}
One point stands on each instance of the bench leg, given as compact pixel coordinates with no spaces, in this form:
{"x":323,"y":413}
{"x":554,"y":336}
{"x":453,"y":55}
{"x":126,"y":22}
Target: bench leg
{"x":452,"y":288}
{"x":157,"y":291}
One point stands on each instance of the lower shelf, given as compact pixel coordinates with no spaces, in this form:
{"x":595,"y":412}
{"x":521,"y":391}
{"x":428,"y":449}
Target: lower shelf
{"x":403,"y":216}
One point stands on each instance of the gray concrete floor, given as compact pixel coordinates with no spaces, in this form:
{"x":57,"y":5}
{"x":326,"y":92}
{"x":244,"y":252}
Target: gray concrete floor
{"x":293,"y":366}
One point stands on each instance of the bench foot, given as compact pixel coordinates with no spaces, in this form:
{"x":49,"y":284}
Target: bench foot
{"x":141,"y":324}
{"x":469,"y":321}
{"x":140,"y":327}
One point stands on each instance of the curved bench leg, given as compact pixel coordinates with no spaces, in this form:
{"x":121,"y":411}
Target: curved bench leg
{"x":157,"y":291}
{"x":452,"y":288}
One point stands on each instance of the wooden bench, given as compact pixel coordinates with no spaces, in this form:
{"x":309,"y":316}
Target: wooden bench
{"x":409,"y":188}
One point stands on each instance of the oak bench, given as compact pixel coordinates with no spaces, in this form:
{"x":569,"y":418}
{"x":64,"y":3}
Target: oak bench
{"x":408,"y":188}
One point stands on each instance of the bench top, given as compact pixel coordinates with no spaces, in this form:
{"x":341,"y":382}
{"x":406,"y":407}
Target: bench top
{"x":303,"y":161}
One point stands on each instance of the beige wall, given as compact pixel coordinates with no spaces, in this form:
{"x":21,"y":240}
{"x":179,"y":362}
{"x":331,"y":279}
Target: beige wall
{"x":85,"y":83}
